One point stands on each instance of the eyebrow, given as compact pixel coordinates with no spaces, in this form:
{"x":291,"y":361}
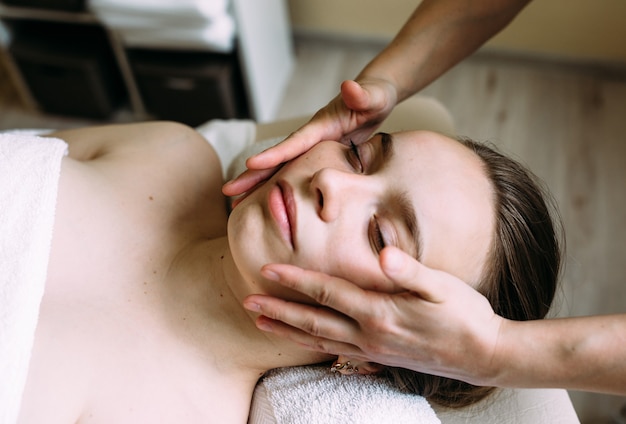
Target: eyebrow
{"x":386,"y":143}
{"x":407,"y":212}
{"x":410,"y":220}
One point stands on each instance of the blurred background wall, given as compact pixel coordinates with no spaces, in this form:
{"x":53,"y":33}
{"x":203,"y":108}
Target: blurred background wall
{"x":580,"y":30}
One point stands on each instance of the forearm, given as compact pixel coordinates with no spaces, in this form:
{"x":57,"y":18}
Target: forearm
{"x":585,"y":353}
{"x":439,"y":34}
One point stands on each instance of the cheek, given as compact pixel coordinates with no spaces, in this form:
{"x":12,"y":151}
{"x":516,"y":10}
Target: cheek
{"x":240,"y":228}
{"x":355,"y":264}
{"x":368,"y":276}
{"x":340,"y":254}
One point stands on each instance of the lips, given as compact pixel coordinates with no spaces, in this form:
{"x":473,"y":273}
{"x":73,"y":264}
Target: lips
{"x":283,"y":209}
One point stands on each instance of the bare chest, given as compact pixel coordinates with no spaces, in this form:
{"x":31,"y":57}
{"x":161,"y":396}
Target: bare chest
{"x":127,"y":351}
{"x":114,"y":343}
{"x":95,"y":365}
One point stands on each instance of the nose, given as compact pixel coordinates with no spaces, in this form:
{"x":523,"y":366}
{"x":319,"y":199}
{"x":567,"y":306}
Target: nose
{"x":333,"y":189}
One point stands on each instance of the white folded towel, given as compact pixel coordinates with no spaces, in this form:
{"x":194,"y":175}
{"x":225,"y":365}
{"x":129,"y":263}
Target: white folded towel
{"x":203,"y":9}
{"x":195,"y":24}
{"x":215,"y":36}
{"x":314,"y":395}
{"x":29,"y":175}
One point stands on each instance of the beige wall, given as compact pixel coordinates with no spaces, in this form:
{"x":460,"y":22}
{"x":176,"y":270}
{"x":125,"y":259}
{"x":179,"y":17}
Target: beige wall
{"x":572,"y":29}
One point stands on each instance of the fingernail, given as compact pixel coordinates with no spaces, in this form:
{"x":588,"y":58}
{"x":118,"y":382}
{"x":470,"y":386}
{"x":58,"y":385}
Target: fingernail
{"x":270,"y":275}
{"x":264,"y":325}
{"x":230,"y":182}
{"x":251,"y":306}
{"x":393,"y":260}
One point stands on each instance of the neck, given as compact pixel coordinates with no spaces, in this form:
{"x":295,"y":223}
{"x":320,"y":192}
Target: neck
{"x":231,"y":326}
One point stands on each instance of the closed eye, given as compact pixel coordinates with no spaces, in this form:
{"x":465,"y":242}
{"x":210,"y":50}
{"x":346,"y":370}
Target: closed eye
{"x":375,"y":235}
{"x":356,"y":161}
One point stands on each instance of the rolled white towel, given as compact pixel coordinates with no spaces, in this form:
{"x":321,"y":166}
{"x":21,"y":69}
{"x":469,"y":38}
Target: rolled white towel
{"x":314,"y":395}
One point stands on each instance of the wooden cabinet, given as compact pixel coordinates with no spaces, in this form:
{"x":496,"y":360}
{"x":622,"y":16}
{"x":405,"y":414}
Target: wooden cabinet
{"x":263,"y":54}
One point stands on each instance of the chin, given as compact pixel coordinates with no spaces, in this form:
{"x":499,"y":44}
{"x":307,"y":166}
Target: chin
{"x":251,"y":243}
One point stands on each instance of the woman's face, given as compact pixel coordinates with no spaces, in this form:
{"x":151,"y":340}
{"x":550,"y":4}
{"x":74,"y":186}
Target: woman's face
{"x":334,"y":208}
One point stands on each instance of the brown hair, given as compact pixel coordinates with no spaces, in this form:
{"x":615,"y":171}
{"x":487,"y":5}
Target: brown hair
{"x":521,"y":277}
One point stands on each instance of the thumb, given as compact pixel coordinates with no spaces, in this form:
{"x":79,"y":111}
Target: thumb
{"x":355,"y":96}
{"x":370,"y":95}
{"x":410,"y":274}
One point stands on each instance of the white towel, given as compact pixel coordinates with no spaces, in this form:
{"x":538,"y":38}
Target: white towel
{"x":314,"y":395}
{"x":197,"y":24}
{"x":29,"y":175}
{"x":229,"y":138}
{"x":238,"y":163}
{"x":191,"y":9}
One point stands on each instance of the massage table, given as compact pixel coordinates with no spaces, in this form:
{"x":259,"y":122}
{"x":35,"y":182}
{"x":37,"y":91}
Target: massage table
{"x":310,"y":395}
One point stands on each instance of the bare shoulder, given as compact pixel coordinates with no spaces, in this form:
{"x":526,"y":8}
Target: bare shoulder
{"x":163,"y":175}
{"x":145,"y":138}
{"x":154,"y":183}
{"x":146,"y":157}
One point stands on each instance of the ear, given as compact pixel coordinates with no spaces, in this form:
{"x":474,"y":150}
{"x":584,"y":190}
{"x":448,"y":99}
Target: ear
{"x":347,"y":366}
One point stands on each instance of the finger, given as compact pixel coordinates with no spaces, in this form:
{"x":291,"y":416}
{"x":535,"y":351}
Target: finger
{"x":370,"y":95}
{"x":355,"y":96}
{"x":298,"y":142}
{"x":247,"y":181}
{"x":333,"y":292}
{"x":318,"y":344}
{"x":408,"y":273}
{"x":316,"y":322}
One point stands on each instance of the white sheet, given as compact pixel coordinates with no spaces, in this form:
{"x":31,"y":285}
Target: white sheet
{"x":515,"y":406}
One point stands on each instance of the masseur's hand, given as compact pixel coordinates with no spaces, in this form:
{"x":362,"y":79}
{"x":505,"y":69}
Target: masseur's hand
{"x":440,"y":325}
{"x":353,"y":115}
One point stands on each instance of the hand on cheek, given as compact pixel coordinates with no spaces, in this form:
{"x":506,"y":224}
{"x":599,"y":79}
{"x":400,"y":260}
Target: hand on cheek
{"x":446,"y":327}
{"x":319,"y":328}
{"x":439,"y":325}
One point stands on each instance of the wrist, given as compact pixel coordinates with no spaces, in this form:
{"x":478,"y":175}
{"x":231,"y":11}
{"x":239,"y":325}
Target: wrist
{"x":497,"y":354}
{"x":515,"y":354}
